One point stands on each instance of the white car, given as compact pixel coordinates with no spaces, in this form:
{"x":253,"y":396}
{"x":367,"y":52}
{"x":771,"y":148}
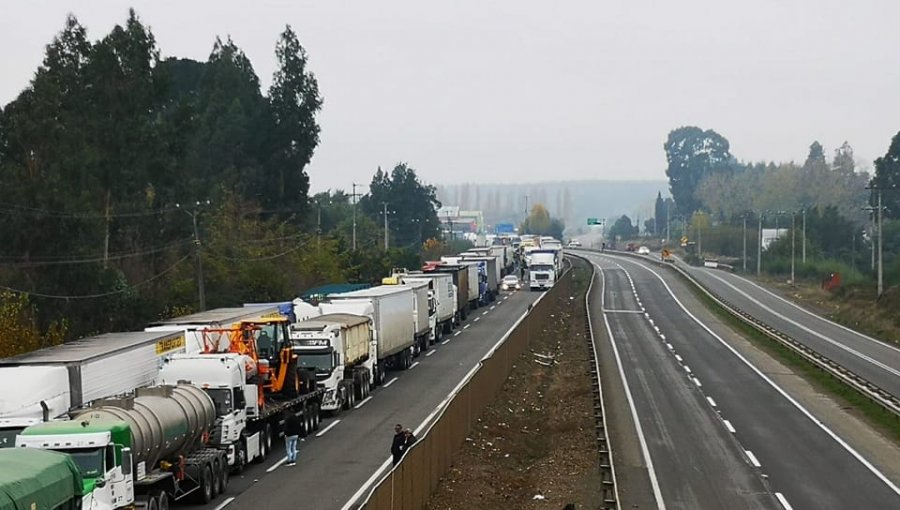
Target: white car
{"x":574,"y":244}
{"x":643,"y":250}
{"x":510,"y":282}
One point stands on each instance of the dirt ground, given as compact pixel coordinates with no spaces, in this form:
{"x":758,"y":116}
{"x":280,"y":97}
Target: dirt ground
{"x":534,"y":446}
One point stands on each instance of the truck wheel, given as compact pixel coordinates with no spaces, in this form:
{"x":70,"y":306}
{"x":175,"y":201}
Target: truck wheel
{"x":308,"y":419}
{"x":223,"y":477}
{"x":205,"y":494}
{"x":162,"y":501}
{"x":240,"y":456}
{"x":152,"y":504}
{"x":316,"y":416}
{"x":291,"y":386}
{"x":217,"y":478}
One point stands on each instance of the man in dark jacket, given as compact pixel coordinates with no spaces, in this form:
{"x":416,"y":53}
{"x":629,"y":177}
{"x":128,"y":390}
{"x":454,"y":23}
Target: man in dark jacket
{"x":398,"y":443}
{"x":293,"y":426}
{"x":408,"y":440}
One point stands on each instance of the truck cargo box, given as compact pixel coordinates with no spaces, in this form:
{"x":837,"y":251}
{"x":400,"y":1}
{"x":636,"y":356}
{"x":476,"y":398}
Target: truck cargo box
{"x":391,"y":309}
{"x":355,"y":329}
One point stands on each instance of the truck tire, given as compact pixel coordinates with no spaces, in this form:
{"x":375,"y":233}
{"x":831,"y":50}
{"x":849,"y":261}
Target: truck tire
{"x":152,"y":504}
{"x":265,"y":442}
{"x":223,"y":476}
{"x":240,"y":455}
{"x":307,"y":381}
{"x":317,"y":418}
{"x":217,"y":477}
{"x":162,"y":501}
{"x":207,"y":481}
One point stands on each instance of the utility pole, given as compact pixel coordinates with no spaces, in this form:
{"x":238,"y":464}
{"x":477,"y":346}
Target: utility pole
{"x":318,"y":225}
{"x":700,"y":239}
{"x":201,"y":289}
{"x":744,"y":238}
{"x":804,"y":237}
{"x":668,"y":219}
{"x":880,"y":246}
{"x":759,"y":247}
{"x":384,"y":206}
{"x":793,"y":239}
{"x":353,"y":198}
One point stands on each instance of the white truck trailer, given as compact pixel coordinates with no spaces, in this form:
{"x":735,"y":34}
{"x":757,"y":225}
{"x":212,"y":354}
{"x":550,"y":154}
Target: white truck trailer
{"x":444,"y":296}
{"x":342,"y":350}
{"x":390,"y":307}
{"x":424,"y":310}
{"x":49,"y":383}
{"x":191,"y":326}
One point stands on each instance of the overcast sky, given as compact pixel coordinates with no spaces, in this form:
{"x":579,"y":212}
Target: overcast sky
{"x":494,"y":91}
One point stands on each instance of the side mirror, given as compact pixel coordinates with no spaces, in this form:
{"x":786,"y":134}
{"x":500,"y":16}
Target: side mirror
{"x":127,"y":459}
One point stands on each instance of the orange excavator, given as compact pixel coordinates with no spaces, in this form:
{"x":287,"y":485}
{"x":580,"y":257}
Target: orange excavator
{"x":268,"y":353}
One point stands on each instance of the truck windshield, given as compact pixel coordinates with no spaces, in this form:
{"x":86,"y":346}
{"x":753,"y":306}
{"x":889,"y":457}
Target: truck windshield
{"x":222,"y":398}
{"x":321,"y":361}
{"x":89,"y":461}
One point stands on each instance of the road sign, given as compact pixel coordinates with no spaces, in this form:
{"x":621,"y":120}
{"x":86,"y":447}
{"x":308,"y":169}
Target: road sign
{"x":684,"y":241}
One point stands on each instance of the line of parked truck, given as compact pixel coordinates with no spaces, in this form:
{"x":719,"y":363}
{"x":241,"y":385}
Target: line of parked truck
{"x":145,"y":419}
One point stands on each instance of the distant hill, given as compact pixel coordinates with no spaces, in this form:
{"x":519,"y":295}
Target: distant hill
{"x":574,"y":201}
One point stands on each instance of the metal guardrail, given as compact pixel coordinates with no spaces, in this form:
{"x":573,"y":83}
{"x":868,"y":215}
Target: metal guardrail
{"x":610,"y":493}
{"x":855,"y":381}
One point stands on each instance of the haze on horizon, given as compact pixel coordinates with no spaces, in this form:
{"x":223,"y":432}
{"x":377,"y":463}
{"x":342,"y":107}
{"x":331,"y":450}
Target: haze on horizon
{"x":531,"y":91}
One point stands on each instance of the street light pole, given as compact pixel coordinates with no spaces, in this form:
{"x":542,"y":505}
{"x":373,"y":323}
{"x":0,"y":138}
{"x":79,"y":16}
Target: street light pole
{"x":880,"y":246}
{"x":668,"y":219}
{"x":353,"y":197}
{"x":804,"y":237}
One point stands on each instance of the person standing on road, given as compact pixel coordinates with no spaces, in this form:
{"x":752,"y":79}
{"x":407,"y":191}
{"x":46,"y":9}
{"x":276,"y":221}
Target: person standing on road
{"x":292,"y":428}
{"x":397,"y":446}
{"x":408,"y":440}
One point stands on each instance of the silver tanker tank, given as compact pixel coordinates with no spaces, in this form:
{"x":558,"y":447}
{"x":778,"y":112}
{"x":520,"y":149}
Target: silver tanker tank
{"x":164,"y":420}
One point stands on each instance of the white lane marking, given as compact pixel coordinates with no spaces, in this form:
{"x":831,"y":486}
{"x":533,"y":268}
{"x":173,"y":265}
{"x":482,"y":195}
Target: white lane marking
{"x":823,"y":319}
{"x":432,"y":351}
{"x":447,"y":341}
{"x":467,"y":325}
{"x":678,"y":357}
{"x":276,"y":465}
{"x":654,"y":483}
{"x":687,"y":369}
{"x":711,"y":401}
{"x":729,"y":426}
{"x":495,"y":306}
{"x":697,"y":382}
{"x":224,"y":503}
{"x":753,"y":459}
{"x":814,"y":333}
{"x":362,"y":402}
{"x":783,"y":500}
{"x":669,"y":346}
{"x":375,"y":476}
{"x":868,"y":465}
{"x":414,"y":365}
{"x":662,"y":337}
{"x":329,"y":427}
{"x":485,"y":313}
{"x":477,"y":319}
{"x":622,"y":311}
{"x":392,"y":381}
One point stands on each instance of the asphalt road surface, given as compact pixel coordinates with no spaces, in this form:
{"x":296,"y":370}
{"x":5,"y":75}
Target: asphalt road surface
{"x":874,"y":360}
{"x":351,"y":448}
{"x":717,"y":432}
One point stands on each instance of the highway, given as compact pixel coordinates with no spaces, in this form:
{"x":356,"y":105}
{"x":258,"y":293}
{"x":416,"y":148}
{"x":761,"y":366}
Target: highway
{"x":716,"y":431}
{"x":874,"y":360}
{"x":353,"y":447}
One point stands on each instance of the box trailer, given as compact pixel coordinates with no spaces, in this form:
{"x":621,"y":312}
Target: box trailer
{"x":445,"y":298}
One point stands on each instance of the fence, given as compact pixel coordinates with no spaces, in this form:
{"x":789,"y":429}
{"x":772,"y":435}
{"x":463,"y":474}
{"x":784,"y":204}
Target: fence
{"x":410,"y":484}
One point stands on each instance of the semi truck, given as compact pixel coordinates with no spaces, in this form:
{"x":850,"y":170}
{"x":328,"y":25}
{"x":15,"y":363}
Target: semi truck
{"x":542,"y":270}
{"x":39,"y":479}
{"x":460,"y":279}
{"x":147,"y":449}
{"x":424,"y":309}
{"x":471,"y":277}
{"x":245,"y":425}
{"x":445,"y":298}
{"x":342,"y":350}
{"x":48,"y":383}
{"x":390,"y":308}
{"x":491,"y":267}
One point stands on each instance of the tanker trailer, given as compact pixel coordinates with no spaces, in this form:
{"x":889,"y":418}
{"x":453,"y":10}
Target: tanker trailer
{"x":146,"y":449}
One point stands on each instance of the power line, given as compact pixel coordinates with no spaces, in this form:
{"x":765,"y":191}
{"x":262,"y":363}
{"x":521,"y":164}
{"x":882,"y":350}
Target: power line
{"x":58,"y":261}
{"x":105,"y":294}
{"x":6,"y":208}
{"x":257,"y":259}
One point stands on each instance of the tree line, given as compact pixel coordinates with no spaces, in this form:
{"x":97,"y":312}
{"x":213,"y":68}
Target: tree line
{"x":714,"y":195}
{"x":132,"y":181}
